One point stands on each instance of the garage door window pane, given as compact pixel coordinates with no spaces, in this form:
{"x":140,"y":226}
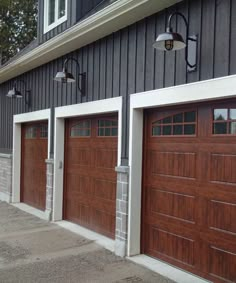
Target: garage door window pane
{"x":107,"y":128}
{"x":220,"y":128}
{"x":232,"y":114}
{"x":190,"y":116}
{"x":167,"y":120}
{"x":220,"y":114}
{"x":156,"y":131}
{"x":167,"y":130}
{"x":178,"y":130}
{"x":43,"y":131}
{"x":31,"y":133}
{"x":82,"y":129}
{"x":178,"y":118}
{"x":232,"y":128}
{"x":189,"y":129}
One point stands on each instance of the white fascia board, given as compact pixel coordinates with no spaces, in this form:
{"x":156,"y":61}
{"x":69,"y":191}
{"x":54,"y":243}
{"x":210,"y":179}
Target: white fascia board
{"x":112,"y":18}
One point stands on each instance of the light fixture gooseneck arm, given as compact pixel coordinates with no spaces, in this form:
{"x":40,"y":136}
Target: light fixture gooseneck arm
{"x":169,"y":28}
{"x":27,"y":92}
{"x":65,"y":64}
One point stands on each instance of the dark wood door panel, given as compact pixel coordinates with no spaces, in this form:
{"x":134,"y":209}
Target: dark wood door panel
{"x":90,"y":178}
{"x":189,"y":193}
{"x":33,"y":166}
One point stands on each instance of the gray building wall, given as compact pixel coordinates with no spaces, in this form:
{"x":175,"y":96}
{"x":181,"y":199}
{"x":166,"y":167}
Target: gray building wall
{"x":125,"y":62}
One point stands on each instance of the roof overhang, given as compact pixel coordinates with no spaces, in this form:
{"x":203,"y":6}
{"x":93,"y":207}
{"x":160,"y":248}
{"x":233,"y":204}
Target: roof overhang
{"x":112,"y":18}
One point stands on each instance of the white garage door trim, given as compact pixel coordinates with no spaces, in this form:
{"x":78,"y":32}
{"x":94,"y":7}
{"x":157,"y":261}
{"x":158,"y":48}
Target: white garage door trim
{"x":90,"y":108}
{"x":17,"y":122}
{"x":214,"y":89}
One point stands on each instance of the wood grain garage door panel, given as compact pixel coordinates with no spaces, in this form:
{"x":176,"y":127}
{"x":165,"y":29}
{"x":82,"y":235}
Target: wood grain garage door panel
{"x":33,"y":166}
{"x":189,"y":189}
{"x":90,"y":177}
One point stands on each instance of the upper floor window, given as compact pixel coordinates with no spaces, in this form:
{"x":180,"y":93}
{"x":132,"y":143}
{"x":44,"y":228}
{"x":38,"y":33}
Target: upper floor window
{"x":55,"y":13}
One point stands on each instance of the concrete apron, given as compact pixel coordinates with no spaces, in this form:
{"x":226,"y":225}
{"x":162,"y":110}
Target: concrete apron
{"x":34,"y":250}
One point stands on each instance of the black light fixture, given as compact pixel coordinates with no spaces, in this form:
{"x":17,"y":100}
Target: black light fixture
{"x":171,"y":41}
{"x":15,"y":93}
{"x":66,"y":77}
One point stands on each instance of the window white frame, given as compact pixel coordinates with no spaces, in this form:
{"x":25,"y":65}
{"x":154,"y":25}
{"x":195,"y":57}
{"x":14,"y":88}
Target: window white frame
{"x":47,"y":26}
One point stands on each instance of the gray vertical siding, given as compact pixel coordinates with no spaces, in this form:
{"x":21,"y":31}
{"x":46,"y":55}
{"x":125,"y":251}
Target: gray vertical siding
{"x":125,"y":62}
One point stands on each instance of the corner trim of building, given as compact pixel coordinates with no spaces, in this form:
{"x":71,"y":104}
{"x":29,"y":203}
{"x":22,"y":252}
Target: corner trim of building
{"x":209,"y":90}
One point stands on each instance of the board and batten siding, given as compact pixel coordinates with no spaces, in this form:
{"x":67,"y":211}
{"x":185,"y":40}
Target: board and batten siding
{"x":125,"y":62}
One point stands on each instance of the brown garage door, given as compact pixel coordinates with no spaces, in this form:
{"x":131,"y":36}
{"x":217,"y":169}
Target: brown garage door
{"x":33,"y":167}
{"x":90,"y":178}
{"x":189,"y":189}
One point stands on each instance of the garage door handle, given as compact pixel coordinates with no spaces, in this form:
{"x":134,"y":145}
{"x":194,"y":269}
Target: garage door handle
{"x":60,"y":165}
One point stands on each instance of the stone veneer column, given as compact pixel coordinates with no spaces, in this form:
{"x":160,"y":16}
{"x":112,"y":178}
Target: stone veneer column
{"x":122,"y":196}
{"x":5,"y":177}
{"x":49,"y":187}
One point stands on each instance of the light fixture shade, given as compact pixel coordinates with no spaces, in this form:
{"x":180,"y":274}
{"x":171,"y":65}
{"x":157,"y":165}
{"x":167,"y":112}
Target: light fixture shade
{"x":14,"y":93}
{"x":64,"y":77}
{"x":176,"y":38}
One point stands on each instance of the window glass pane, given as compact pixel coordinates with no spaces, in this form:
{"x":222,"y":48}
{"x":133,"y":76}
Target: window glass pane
{"x":232,"y":128}
{"x":178,"y":118}
{"x":166,"y":130}
{"x":61,"y":8}
{"x":156,"y":131}
{"x":177,"y":130}
{"x":51,"y":11}
{"x":114,"y":132}
{"x":101,"y":132}
{"x":167,"y":120}
{"x":101,"y":123}
{"x":107,"y":132}
{"x":114,"y":123}
{"x":82,"y":129}
{"x":232,"y":114}
{"x":220,"y":114}
{"x":43,"y":131}
{"x":108,"y":123}
{"x":189,"y":129}
{"x":220,"y":128}
{"x":190,"y":116}
{"x":31,"y":133}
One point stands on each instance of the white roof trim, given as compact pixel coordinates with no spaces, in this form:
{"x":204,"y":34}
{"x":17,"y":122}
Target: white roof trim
{"x":112,"y":18}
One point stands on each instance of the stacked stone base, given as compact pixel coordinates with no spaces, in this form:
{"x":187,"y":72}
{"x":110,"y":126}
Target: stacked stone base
{"x":5,"y":177}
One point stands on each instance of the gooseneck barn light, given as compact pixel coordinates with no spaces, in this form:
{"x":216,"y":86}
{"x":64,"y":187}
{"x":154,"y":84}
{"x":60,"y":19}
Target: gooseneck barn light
{"x":171,"y":41}
{"x":65,"y":77}
{"x":15,"y":92}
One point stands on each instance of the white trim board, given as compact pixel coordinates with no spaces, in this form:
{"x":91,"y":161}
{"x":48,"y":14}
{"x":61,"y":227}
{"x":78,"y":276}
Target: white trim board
{"x":90,"y":108}
{"x":44,"y":215}
{"x":17,"y":121}
{"x":166,"y":270}
{"x":209,"y":90}
{"x":110,"y":19}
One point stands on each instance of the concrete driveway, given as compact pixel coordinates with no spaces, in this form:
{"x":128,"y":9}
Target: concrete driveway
{"x":33,"y":250}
